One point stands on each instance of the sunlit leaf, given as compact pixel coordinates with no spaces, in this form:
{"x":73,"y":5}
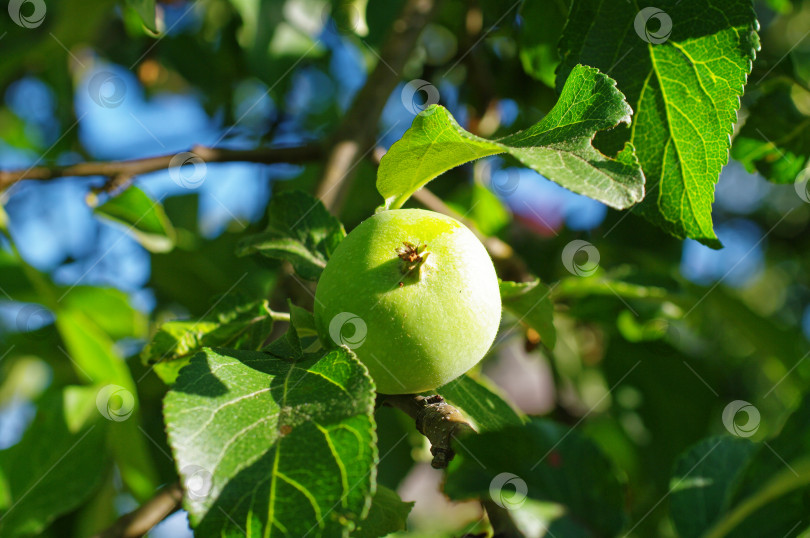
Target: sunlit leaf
{"x":682,"y":66}
{"x":559,"y":146}
{"x":266,"y":443}
{"x":143,"y":217}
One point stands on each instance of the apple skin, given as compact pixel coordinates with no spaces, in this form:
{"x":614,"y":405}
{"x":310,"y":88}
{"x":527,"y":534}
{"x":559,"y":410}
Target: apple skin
{"x":419,"y":330}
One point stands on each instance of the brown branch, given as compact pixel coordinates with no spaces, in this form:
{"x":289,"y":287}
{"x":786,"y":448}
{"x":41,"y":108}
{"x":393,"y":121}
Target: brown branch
{"x":503,"y":526}
{"x":140,"y":521}
{"x":134,"y":167}
{"x":437,"y":420}
{"x":356,"y":134}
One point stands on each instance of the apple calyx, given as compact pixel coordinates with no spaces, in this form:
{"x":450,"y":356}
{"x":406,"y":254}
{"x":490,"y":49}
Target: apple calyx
{"x":412,"y":256}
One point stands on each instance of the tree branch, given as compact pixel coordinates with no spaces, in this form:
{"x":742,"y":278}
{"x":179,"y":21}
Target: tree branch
{"x":356,"y":134}
{"x":501,"y":521}
{"x":127,"y":169}
{"x":140,"y":521}
{"x":437,"y":420}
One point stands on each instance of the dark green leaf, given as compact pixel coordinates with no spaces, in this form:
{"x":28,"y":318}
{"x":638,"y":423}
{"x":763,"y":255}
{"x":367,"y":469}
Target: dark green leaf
{"x":530,"y":302}
{"x":238,"y":326}
{"x":300,"y":231}
{"x":774,"y":492}
{"x":546,"y":462}
{"x":543,"y":22}
{"x":559,"y":146}
{"x":601,"y":284}
{"x":743,"y":489}
{"x":56,"y":465}
{"x":146,"y":11}
{"x":704,"y":481}
{"x":303,"y":320}
{"x":684,"y":85}
{"x":143,"y":218}
{"x":388,"y":514}
{"x":288,"y":346}
{"x":266,"y":443}
{"x":188,"y":275}
{"x":14,"y":278}
{"x":775,"y":140}
{"x":480,"y":403}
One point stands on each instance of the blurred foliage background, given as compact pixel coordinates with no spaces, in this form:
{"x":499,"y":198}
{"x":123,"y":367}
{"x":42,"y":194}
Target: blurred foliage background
{"x":650,"y":348}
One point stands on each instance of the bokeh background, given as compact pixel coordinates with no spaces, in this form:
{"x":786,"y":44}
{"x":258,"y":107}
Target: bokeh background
{"x":91,"y":83}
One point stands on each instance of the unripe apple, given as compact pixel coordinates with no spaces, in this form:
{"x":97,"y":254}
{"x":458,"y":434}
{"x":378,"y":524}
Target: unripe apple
{"x":414,"y":294}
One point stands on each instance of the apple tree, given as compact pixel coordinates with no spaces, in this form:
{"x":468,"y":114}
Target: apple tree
{"x":409,"y":267}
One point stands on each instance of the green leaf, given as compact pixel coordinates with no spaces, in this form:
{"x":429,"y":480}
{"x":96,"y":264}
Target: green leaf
{"x":303,"y":320}
{"x":743,"y":489}
{"x":143,"y":218}
{"x":88,"y":323}
{"x":287,"y":346}
{"x":146,"y":11}
{"x":543,"y":22}
{"x":774,"y":493}
{"x":481,"y":404}
{"x":775,"y":140}
{"x":388,"y":514}
{"x":187,"y":276}
{"x":559,"y":146}
{"x":554,"y":464}
{"x":56,"y":465}
{"x":233,"y":324}
{"x":93,"y":354}
{"x":704,"y":481}
{"x":530,"y":302}
{"x":3,"y":220}
{"x":685,"y":91}
{"x":602,"y":284}
{"x":300,"y":231}
{"x":15,"y":276}
{"x":264,"y":443}
{"x":109,"y":308}
{"x":484,"y":209}
{"x":350,"y":16}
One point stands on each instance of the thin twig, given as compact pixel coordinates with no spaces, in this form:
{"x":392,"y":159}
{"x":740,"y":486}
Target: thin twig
{"x":140,"y":521}
{"x":437,"y":420}
{"x":356,"y":134}
{"x":503,"y":526}
{"x":134,"y":167}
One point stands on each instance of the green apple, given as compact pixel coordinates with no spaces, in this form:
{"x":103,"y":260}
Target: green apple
{"x":414,"y":294}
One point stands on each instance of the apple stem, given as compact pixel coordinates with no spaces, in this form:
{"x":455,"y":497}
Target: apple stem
{"x":437,"y":420}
